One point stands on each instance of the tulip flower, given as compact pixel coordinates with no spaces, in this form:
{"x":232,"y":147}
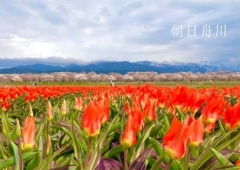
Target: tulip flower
{"x":134,"y":125}
{"x":212,"y":111}
{"x":195,"y":102}
{"x":30,"y":109}
{"x":28,"y":134}
{"x":18,"y":129}
{"x":238,"y":163}
{"x":91,"y":124}
{"x":64,"y":108}
{"x":103,"y":109}
{"x":174,"y":142}
{"x":195,"y":133}
{"x":231,"y":116}
{"x":127,"y":108}
{"x":209,"y":128}
{"x":5,"y":105}
{"x":137,"y":122}
{"x":143,"y":99}
{"x":129,"y":137}
{"x":49,"y":111}
{"x":94,"y":115}
{"x":149,"y":111}
{"x":179,"y":98}
{"x":78,"y":104}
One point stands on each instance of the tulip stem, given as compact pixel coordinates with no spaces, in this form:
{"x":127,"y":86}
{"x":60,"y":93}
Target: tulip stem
{"x":88,"y":153}
{"x":47,"y":143}
{"x":125,"y":159}
{"x":169,"y":164}
{"x":187,"y":158}
{"x":20,"y":154}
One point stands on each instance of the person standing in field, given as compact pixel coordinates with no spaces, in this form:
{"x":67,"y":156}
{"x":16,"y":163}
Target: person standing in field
{"x":112,"y":83}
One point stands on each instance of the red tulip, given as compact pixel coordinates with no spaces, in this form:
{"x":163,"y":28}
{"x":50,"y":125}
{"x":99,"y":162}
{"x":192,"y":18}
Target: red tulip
{"x":90,"y":124}
{"x":126,"y":108}
{"x":149,"y":111}
{"x":195,"y":132}
{"x":195,"y":102}
{"x":231,"y":117}
{"x":212,"y":111}
{"x":134,"y":125}
{"x":94,"y":115}
{"x":174,"y":142}
{"x":137,"y":117}
{"x":79,"y":104}
{"x":209,"y":128}
{"x":238,"y":163}
{"x":179,"y":98}
{"x":143,"y":99}
{"x":28,"y":134}
{"x":5,"y":105}
{"x":129,"y":137}
{"x":103,"y":109}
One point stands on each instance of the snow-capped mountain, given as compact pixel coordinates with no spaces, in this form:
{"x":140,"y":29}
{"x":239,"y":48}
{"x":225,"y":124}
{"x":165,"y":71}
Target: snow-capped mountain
{"x":73,"y":65}
{"x":232,"y":65}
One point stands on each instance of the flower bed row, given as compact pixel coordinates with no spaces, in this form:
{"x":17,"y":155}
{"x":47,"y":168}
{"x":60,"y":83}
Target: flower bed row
{"x":127,"y":127}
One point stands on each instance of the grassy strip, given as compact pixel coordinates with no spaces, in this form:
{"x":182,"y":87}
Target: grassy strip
{"x":201,"y":84}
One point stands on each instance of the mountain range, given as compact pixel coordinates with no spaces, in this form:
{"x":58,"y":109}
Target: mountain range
{"x":121,"y":67}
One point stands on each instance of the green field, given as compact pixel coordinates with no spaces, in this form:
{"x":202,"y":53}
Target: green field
{"x":201,"y":84}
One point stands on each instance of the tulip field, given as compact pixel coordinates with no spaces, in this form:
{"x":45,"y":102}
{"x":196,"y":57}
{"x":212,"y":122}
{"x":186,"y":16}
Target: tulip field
{"x":119,"y":128}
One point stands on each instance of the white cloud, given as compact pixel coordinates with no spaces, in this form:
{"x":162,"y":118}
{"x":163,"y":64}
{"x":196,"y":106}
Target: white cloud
{"x":120,"y":30}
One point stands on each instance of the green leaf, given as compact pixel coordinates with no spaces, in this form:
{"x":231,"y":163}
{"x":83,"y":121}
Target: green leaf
{"x":166,"y":123}
{"x":40,"y":128}
{"x":4,"y":152}
{"x":69,"y":134}
{"x":157,"y":146}
{"x":17,"y":158}
{"x":110,"y":136}
{"x":221,"y":159}
{"x":150,"y":161}
{"x":113,"y":152}
{"x":11,"y":161}
{"x":141,"y":142}
{"x":156,"y":129}
{"x":144,"y":137}
{"x":114,"y":128}
{"x":35,"y":161}
{"x":96,"y":154}
{"x":175,"y":165}
{"x":46,"y":161}
{"x":103,"y":136}
{"x":107,"y":144}
{"x":63,"y":129}
{"x":68,"y":126}
{"x":209,"y":140}
{"x":95,"y":159}
{"x":235,"y":156}
{"x":181,"y":115}
{"x":157,"y":163}
{"x":207,"y":154}
{"x":5,"y":126}
{"x":231,"y":167}
{"x":63,"y":161}
{"x":221,"y":127}
{"x":140,"y":162}
{"x":76,"y":147}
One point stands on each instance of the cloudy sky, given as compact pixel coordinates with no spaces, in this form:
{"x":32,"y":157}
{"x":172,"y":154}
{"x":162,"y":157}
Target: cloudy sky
{"x":119,"y":30}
